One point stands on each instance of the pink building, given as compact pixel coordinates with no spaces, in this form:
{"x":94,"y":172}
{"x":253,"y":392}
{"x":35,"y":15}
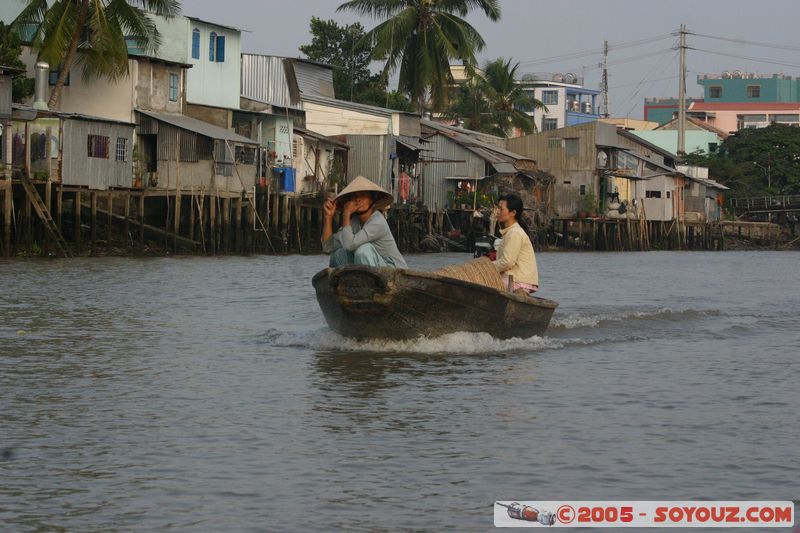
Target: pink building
{"x":733,"y":116}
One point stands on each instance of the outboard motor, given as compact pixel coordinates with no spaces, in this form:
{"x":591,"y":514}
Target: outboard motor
{"x":483,"y":245}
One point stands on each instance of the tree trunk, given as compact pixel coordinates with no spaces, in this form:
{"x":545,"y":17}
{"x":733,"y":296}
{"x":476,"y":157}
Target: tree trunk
{"x":69,"y":58}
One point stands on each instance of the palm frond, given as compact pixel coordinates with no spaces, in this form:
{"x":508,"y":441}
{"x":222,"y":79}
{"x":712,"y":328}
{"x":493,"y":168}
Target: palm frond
{"x":375,"y":8}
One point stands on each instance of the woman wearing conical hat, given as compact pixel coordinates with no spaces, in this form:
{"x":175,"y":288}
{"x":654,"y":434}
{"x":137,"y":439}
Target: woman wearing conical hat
{"x":364,"y":238}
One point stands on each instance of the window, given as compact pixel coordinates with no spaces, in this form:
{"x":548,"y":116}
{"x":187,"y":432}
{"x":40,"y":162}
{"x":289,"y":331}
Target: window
{"x":122,"y":149}
{"x":712,"y":148}
{"x":754,"y":91}
{"x":785,"y":119}
{"x":54,"y":78}
{"x":554,"y":143}
{"x":669,"y":194}
{"x":715,"y":91}
{"x":220,"y":49}
{"x":195,"y":44}
{"x":245,"y":154}
{"x":212,"y":47}
{"x":572,"y":146}
{"x":173,"y":87}
{"x":549,"y":124}
{"x":550,"y":97}
{"x":583,"y":190}
{"x":652,"y":194}
{"x":98,"y":146}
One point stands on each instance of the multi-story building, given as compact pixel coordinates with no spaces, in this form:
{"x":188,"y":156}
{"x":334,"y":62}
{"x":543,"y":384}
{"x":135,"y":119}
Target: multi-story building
{"x":566,"y":100}
{"x":662,"y":110}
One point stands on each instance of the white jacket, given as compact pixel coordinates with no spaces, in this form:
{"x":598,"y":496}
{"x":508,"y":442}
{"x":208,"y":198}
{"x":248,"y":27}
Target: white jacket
{"x":515,"y":256}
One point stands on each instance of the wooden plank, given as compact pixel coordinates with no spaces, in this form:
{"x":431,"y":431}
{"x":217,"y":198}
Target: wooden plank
{"x":141,"y":220}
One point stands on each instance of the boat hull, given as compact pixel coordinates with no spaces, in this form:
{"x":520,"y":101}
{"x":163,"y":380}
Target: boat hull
{"x":387,"y":303}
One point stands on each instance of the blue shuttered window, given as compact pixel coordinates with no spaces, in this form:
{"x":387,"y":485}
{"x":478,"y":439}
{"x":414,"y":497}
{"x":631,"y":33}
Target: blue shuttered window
{"x":195,"y":44}
{"x":220,"y":49}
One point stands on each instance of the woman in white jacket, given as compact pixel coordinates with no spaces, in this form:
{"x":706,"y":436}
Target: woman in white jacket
{"x":515,"y":256}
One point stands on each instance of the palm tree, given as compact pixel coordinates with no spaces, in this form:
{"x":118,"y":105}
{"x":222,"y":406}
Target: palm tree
{"x":493,"y":102}
{"x":91,"y":32}
{"x":509,"y":104}
{"x":422,"y":37}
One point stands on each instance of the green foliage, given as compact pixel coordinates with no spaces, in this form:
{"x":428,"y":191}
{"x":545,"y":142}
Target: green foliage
{"x":421,"y":38}
{"x":588,"y":203}
{"x":757,"y":161}
{"x":346,"y":49}
{"x":92,"y":33}
{"x":10,"y":51}
{"x":493,"y":102}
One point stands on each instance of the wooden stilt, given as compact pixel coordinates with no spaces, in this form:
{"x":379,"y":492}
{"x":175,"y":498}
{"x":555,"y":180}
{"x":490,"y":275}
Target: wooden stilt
{"x":127,"y":219}
{"x":48,"y":202}
{"x":110,"y":225}
{"x":93,"y":229}
{"x":141,"y":219}
{"x":76,"y":212}
{"x":213,"y":221}
{"x":237,"y":225}
{"x":226,"y":224}
{"x":191,"y":215}
{"x":7,"y":208}
{"x":177,"y":227}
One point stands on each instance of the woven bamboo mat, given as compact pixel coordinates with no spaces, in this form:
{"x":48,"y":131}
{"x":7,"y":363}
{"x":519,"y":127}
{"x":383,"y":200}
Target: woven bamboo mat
{"x":480,"y":271}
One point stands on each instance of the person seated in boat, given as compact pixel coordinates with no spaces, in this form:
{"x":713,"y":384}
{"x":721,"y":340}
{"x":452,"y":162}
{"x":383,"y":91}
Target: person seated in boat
{"x":365,"y":237}
{"x":515,"y":256}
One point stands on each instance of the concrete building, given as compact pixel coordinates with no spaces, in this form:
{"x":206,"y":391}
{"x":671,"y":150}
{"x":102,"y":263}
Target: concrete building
{"x":738,"y":86}
{"x":662,"y":110}
{"x":568,"y":102}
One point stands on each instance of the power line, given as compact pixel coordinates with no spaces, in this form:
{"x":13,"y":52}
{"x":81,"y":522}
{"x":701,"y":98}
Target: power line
{"x":596,"y":51}
{"x":743,"y":41}
{"x":747,"y":58}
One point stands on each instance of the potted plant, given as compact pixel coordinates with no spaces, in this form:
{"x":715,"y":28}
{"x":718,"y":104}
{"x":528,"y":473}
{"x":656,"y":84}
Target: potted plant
{"x":587,"y":205}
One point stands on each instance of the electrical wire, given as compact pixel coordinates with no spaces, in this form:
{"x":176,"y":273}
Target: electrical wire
{"x":595,"y":51}
{"x":743,"y":41}
{"x":746,"y":58}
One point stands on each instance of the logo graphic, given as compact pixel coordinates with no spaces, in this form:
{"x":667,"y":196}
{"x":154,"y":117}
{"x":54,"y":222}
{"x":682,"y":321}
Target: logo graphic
{"x":527,"y":513}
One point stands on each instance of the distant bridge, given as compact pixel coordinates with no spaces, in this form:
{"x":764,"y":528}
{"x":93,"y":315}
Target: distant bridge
{"x":766,"y":204}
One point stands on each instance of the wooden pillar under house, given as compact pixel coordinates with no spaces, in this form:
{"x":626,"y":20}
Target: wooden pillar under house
{"x":237,"y":225}
{"x":191,"y":216}
{"x":166,"y":221}
{"x":226,"y":224}
{"x":76,"y":212}
{"x":212,"y":221}
{"x":7,"y":209}
{"x":110,"y":220}
{"x":48,"y":201}
{"x":141,"y":219}
{"x":127,"y":218}
{"x":59,"y":209}
{"x":93,"y":229}
{"x":177,"y":226}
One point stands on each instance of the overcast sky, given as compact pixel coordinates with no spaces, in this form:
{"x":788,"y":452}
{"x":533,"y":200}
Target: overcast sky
{"x":532,"y":30}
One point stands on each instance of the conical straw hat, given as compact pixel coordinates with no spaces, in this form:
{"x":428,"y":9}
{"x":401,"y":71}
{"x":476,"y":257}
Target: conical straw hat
{"x":362,"y":184}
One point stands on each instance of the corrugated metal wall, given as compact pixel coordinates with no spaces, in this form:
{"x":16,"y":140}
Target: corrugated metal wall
{"x":314,"y":80}
{"x":264,"y":79}
{"x":369,"y":157}
{"x":96,"y":173}
{"x":5,"y":96}
{"x":461,"y":162}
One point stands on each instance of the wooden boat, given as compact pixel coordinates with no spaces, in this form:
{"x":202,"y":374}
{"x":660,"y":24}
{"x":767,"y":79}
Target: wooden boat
{"x":372,"y":303}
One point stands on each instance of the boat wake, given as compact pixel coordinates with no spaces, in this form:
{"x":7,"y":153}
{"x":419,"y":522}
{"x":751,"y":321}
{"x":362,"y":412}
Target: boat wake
{"x":593,"y":320}
{"x":325,"y":340}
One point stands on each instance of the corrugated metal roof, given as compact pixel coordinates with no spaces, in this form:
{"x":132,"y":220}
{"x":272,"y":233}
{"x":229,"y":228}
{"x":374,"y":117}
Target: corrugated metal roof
{"x":353,"y":106}
{"x":710,"y":183}
{"x":318,"y":137}
{"x":29,"y":113}
{"x":502,"y":160}
{"x":264,"y":80}
{"x":198,"y":126}
{"x":217,"y":24}
{"x":313,"y":79}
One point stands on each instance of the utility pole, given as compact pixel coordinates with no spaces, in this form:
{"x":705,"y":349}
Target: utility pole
{"x":682,"y":94}
{"x":604,"y":82}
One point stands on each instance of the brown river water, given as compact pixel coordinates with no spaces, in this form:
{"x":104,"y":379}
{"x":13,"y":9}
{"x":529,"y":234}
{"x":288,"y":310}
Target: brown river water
{"x":207,"y":394}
